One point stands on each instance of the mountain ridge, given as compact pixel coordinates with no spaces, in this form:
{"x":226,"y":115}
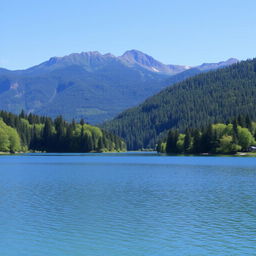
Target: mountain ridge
{"x":136,"y":57}
{"x":87,"y":85}
{"x":130,"y":57}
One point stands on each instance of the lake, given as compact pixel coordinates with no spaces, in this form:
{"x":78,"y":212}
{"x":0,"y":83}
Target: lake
{"x":127,"y":204}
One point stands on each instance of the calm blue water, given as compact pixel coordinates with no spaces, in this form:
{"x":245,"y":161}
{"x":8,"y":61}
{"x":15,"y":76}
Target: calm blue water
{"x":127,"y":204}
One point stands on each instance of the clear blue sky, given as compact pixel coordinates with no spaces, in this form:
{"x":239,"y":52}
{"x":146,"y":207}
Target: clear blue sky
{"x":173,"y":31}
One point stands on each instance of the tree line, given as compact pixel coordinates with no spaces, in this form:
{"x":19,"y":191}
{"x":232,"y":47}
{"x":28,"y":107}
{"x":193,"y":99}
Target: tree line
{"x":220,"y":138}
{"x":25,"y":132}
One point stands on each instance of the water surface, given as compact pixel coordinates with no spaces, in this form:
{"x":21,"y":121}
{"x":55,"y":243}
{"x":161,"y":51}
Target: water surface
{"x":128,"y":204}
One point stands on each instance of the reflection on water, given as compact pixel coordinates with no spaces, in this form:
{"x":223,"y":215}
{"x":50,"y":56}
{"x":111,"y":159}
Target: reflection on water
{"x":127,"y":204}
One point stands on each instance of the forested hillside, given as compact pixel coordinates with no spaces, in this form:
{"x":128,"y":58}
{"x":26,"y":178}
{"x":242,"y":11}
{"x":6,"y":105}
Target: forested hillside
{"x":216,"y":96}
{"x":31,"y":132}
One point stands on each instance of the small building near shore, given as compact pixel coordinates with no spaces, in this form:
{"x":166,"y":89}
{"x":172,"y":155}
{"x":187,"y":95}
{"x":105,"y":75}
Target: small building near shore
{"x":252,"y":148}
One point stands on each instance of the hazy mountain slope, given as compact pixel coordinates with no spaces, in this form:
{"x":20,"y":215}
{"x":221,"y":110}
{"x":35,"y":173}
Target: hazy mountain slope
{"x":134,"y":57}
{"x":198,"y":70}
{"x":87,"y":85}
{"x":108,"y":91}
{"x":222,"y":64}
{"x":205,"y":98}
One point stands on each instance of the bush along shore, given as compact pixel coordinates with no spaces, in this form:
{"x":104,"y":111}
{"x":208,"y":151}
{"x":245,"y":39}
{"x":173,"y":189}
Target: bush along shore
{"x":222,"y":138}
{"x":23,"y":133}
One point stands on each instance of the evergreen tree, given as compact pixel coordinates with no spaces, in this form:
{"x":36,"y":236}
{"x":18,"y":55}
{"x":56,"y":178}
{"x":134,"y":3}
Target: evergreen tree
{"x":82,"y":122}
{"x":171,"y":145}
{"x":187,"y":141}
{"x":22,"y":114}
{"x":197,"y":142}
{"x":100,"y":146}
{"x":47,"y":135}
{"x":207,"y":140}
{"x":235,"y":130}
{"x":248,"y":123}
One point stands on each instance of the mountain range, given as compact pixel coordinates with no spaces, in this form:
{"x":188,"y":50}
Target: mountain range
{"x":91,"y":85}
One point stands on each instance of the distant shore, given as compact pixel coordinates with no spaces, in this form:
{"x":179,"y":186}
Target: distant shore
{"x":252,"y":154}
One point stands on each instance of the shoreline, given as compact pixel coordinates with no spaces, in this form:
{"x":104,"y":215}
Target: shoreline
{"x":238,"y":154}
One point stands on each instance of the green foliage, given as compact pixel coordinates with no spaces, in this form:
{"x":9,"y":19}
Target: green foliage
{"x":9,"y":138}
{"x":180,"y":143}
{"x":227,"y":145}
{"x":161,"y":147}
{"x":204,"y":99}
{"x":14,"y":140}
{"x":245,"y":138}
{"x":216,"y":138}
{"x":33,"y":132}
{"x":4,"y":139}
{"x":187,"y":141}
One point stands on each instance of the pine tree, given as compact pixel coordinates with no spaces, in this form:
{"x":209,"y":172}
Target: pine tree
{"x":187,"y":141}
{"x":235,"y":130}
{"x":100,"y":145}
{"x":22,"y":114}
{"x":82,"y":121}
{"x":47,"y":135}
{"x":171,"y":146}
{"x":248,"y":123}
{"x":207,"y":140}
{"x":197,"y":142}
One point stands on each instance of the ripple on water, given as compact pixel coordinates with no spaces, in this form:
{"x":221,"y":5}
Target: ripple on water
{"x":127,"y":205}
